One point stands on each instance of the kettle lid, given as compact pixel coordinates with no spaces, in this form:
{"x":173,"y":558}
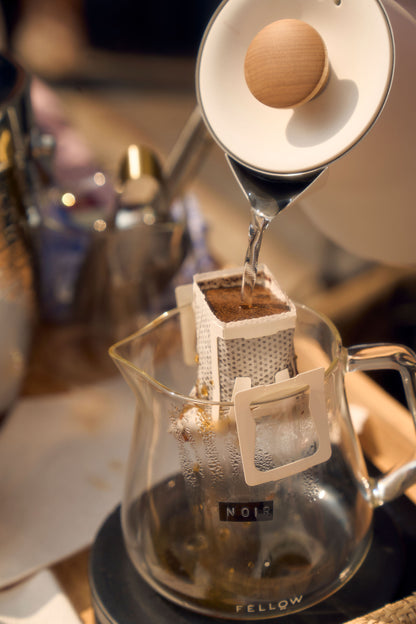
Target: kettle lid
{"x":284,"y":141}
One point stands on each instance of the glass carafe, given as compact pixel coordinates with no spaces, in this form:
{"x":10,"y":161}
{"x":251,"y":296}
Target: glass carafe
{"x":258,"y":532}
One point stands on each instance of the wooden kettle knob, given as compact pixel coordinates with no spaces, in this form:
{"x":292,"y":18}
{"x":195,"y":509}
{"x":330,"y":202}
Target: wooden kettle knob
{"x":286,"y":64}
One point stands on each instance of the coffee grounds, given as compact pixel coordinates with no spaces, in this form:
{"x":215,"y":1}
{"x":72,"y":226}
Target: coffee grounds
{"x":225,"y":303}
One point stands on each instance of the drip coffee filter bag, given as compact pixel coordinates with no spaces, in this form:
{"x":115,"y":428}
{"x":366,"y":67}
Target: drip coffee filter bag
{"x":246,"y":355}
{"x":240,"y":342}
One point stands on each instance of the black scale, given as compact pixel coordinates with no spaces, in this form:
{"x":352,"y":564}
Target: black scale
{"x":120,"y":596}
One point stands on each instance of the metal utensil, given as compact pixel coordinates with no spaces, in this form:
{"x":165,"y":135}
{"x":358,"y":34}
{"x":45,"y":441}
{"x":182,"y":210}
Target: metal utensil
{"x":132,"y":258}
{"x":141,"y":189}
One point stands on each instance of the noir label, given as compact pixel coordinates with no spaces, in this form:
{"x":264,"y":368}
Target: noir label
{"x":246,"y":512}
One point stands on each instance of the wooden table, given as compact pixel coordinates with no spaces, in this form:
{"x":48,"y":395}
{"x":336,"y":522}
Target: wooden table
{"x":72,"y":574}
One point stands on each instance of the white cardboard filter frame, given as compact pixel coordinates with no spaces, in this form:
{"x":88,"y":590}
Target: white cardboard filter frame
{"x":184,"y":296}
{"x":246,"y":427}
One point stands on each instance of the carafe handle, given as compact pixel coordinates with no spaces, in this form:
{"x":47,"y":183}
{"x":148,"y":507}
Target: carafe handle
{"x":402,"y":359}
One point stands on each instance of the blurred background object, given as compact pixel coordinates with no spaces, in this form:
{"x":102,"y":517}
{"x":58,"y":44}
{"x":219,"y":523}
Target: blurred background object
{"x":52,"y":36}
{"x":112,"y":74}
{"x":98,"y":273}
{"x":17,"y":257}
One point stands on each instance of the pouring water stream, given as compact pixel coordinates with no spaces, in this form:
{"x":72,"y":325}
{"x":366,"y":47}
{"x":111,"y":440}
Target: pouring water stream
{"x":267,"y":198}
